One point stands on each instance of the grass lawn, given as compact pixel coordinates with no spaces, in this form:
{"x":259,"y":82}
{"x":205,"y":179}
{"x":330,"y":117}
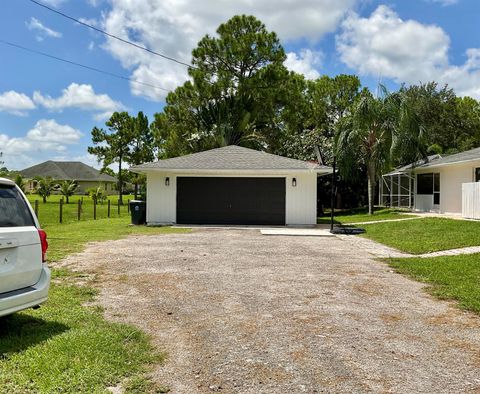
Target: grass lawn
{"x":66,"y":345}
{"x":361,"y":215}
{"x":65,"y":239}
{"x":450,"y":277}
{"x":48,"y":213}
{"x":425,"y":235}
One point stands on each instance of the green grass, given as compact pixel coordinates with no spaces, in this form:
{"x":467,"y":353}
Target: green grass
{"x":65,"y":239}
{"x":49,"y":213}
{"x":451,"y":277}
{"x":361,"y":215}
{"x":67,"y":346}
{"x":425,"y":235}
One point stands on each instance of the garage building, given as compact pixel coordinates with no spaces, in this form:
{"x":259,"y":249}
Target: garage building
{"x":232,"y":185}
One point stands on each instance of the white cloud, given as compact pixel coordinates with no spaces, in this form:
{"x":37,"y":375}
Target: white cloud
{"x":306,"y":63}
{"x":42,"y":31}
{"x":384,"y":45}
{"x":80,"y":96}
{"x":15,"y":103}
{"x":45,"y":139}
{"x":184,"y":23}
{"x":94,"y":3}
{"x":54,"y":3}
{"x":444,"y":3}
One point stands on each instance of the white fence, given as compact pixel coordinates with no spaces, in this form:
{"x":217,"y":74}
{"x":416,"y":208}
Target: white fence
{"x":471,"y":200}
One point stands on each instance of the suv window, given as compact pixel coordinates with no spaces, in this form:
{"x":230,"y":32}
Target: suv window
{"x":14,"y":211}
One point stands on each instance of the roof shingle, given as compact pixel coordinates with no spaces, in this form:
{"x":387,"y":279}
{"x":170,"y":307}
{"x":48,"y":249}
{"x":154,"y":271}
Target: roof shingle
{"x":231,"y":157}
{"x":66,"y":170}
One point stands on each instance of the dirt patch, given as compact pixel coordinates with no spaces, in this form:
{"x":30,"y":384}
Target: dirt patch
{"x":238,"y":312}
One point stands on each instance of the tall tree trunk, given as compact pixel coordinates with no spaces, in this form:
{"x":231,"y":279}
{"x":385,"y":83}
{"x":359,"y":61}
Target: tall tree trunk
{"x":371,"y":187}
{"x":44,"y":199}
{"x":120,"y":182}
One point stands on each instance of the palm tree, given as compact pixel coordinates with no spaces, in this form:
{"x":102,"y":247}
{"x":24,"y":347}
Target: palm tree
{"x":366,"y":137}
{"x":45,"y":187}
{"x":67,"y":188}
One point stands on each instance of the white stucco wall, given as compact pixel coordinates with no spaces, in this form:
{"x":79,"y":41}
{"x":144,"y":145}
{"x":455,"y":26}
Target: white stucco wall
{"x":451,"y":179}
{"x":301,"y":201}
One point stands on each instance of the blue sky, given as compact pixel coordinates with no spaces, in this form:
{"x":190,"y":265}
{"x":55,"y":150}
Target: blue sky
{"x":48,"y":108}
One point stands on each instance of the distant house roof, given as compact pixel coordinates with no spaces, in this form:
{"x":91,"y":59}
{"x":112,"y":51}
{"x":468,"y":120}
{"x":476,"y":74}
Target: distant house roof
{"x":66,"y":170}
{"x":411,"y":166}
{"x":440,"y":161}
{"x":231,"y":157}
{"x":462,"y":157}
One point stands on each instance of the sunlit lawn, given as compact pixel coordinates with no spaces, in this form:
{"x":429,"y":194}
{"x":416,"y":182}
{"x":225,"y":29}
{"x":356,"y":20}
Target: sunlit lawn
{"x":67,"y":345}
{"x":360,"y":215}
{"x":49,"y":212}
{"x":425,"y":235}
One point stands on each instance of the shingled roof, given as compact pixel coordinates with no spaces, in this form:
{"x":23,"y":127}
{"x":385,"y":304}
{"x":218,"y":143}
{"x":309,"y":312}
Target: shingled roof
{"x":231,"y":157}
{"x":66,"y":170}
{"x":440,"y":161}
{"x":469,"y":155}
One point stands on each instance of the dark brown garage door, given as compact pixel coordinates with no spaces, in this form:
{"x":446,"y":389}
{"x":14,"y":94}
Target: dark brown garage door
{"x":208,"y":200}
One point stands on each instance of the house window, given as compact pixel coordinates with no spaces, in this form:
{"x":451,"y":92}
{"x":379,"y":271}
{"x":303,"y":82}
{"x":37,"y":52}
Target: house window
{"x":425,"y":184}
{"x":429,"y":184}
{"x":436,"y":189}
{"x":477,"y":174}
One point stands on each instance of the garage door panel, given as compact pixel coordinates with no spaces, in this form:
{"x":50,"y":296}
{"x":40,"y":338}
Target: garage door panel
{"x":222,"y":200}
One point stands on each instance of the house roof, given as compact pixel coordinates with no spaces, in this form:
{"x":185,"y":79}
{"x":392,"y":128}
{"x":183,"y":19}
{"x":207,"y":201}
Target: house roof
{"x":66,"y":170}
{"x":462,"y":157}
{"x":440,"y":161}
{"x":412,"y":166}
{"x":231,"y":157}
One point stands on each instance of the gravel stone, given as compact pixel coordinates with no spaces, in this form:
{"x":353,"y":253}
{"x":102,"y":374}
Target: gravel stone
{"x":238,"y":312}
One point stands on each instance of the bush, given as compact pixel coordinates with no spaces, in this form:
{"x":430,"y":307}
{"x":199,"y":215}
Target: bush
{"x":97,"y":194}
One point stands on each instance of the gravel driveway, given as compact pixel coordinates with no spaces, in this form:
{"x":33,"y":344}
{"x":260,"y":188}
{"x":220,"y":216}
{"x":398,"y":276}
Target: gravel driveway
{"x":239,"y":312}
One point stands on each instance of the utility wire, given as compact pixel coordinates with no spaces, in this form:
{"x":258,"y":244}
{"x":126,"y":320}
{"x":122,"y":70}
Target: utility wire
{"x":98,"y":70}
{"x":112,"y":35}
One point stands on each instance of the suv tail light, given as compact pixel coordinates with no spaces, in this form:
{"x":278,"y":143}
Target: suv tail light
{"x":44,"y":244}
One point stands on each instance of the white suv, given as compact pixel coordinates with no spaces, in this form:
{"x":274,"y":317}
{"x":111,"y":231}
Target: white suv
{"x":24,"y":276}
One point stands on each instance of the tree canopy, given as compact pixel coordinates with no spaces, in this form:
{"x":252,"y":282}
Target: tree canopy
{"x":241,"y":93}
{"x":234,"y":95}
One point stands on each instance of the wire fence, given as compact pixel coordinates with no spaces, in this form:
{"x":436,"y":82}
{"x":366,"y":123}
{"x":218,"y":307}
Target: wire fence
{"x":80,"y":208}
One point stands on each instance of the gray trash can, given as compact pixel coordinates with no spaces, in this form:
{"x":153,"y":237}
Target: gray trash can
{"x":138,"y":210}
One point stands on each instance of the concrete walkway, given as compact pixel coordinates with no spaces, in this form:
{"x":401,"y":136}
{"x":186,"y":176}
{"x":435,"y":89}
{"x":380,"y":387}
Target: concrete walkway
{"x":452,"y":252}
{"x":304,"y":232}
{"x":382,"y":251}
{"x":383,"y":221}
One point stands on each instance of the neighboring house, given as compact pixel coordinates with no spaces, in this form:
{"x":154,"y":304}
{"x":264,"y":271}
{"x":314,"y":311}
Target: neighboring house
{"x":440,"y":184}
{"x":86,"y":177}
{"x":232,"y":185}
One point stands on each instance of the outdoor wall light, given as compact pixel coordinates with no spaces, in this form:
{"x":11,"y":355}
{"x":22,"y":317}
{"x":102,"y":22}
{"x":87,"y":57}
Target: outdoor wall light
{"x":167,"y":181}
{"x":294,"y":182}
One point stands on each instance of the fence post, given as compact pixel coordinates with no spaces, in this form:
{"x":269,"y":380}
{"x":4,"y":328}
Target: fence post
{"x":36,"y":208}
{"x":61,"y":210}
{"x":94,"y":209}
{"x":108,"y":208}
{"x":118,"y":207}
{"x":79,"y":209}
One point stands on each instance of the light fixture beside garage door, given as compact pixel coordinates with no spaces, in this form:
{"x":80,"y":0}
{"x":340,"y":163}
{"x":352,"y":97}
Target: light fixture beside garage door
{"x":294,"y":182}
{"x":167,"y":181}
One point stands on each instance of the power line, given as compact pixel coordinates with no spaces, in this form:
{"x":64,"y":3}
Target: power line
{"x":98,"y":70}
{"x":112,"y":35}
